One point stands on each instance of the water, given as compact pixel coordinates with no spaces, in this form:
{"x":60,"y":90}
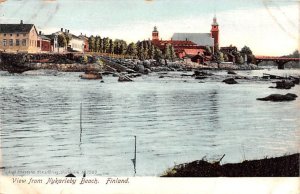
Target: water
{"x":175,"y":119}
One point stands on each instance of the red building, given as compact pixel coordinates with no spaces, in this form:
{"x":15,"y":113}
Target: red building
{"x":44,"y":43}
{"x":182,"y":48}
{"x":86,"y":42}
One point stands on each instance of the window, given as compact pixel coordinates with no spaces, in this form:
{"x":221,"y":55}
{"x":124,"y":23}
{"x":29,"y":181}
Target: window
{"x":18,"y":35}
{"x":11,"y":42}
{"x":24,"y":42}
{"x":4,"y":42}
{"x":10,"y":34}
{"x":38,"y":43}
{"x":4,"y":34}
{"x":17,"y":42}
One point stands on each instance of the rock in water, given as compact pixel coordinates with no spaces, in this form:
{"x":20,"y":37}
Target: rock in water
{"x":91,"y":75}
{"x":124,"y":78}
{"x":231,"y":72}
{"x":279,"y":97}
{"x":284,"y":84}
{"x":230,"y":81}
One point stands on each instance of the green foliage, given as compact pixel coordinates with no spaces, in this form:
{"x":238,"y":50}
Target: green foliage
{"x":225,"y":57}
{"x":68,"y":38}
{"x":151,"y":52}
{"x":157,"y":54}
{"x":218,"y":56}
{"x":167,"y":51}
{"x":106,"y":45}
{"x":85,"y":59}
{"x":208,"y":49}
{"x":92,"y":43}
{"x":246,"y":50}
{"x":61,"y":40}
{"x":131,"y":49}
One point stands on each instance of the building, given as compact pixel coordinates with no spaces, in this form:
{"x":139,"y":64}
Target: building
{"x":86,"y":47}
{"x":182,"y":48}
{"x":202,"y":39}
{"x":76,"y":44}
{"x":44,"y":43}
{"x":229,"y":51}
{"x":191,"y":44}
{"x":18,"y":38}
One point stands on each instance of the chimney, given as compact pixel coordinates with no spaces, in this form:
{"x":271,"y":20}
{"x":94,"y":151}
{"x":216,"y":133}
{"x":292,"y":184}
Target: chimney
{"x":21,"y":22}
{"x":40,"y":32}
{"x":68,"y":31}
{"x":61,"y":29}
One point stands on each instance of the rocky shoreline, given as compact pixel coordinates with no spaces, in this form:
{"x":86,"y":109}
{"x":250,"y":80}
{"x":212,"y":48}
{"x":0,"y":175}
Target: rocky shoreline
{"x":284,"y":166}
{"x":69,"y":62}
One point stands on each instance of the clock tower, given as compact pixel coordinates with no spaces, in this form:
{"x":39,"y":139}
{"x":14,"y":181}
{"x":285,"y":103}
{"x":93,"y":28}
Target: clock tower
{"x":215,"y":32}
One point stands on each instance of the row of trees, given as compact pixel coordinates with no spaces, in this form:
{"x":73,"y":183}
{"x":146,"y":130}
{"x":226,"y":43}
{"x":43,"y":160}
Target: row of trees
{"x":141,"y":49}
{"x":239,"y":56}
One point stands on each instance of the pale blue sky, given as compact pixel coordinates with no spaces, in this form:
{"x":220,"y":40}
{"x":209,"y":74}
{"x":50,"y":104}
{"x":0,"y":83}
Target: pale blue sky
{"x":268,"y":27}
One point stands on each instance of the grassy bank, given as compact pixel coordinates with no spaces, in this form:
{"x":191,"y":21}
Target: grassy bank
{"x":284,"y":166}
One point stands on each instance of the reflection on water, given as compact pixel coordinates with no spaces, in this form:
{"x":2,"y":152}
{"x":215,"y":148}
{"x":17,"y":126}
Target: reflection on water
{"x":175,"y":120}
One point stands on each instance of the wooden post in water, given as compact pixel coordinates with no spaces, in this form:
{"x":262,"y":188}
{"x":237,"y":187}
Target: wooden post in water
{"x":134,"y":159}
{"x":80,"y":121}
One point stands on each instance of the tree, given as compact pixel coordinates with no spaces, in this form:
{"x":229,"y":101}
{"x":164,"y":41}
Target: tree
{"x":172,"y":53}
{"x":296,"y":54}
{"x":61,"y":40}
{"x":167,"y":51}
{"x":246,"y":50}
{"x":208,"y":50}
{"x":68,"y":38}
{"x":111,"y":46}
{"x":92,"y":43}
{"x":97,"y":43}
{"x":218,"y":56}
{"x":151,"y":52}
{"x":106,"y":45}
{"x":131,"y":50}
{"x":157,"y":54}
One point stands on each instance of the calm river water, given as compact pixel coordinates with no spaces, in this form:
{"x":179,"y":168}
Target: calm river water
{"x":176,"y":119}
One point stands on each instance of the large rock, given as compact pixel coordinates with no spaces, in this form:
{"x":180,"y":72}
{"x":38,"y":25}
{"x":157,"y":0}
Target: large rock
{"x":91,"y":75}
{"x":284,"y":84}
{"x":231,"y":72}
{"x":230,"y":81}
{"x":124,"y":78}
{"x":279,"y":97}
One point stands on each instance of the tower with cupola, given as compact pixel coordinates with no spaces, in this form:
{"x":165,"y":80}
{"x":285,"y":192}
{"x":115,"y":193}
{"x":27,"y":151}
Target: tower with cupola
{"x":155,"y":35}
{"x":215,"y":32}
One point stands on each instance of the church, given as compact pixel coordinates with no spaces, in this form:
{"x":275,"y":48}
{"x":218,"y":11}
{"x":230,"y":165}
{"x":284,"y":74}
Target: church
{"x":190,"y":44}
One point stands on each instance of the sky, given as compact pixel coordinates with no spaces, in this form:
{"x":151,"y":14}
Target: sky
{"x":268,"y":27}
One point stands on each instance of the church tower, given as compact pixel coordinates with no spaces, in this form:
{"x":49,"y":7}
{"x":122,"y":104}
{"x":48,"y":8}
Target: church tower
{"x":215,"y":32}
{"x":155,"y":34}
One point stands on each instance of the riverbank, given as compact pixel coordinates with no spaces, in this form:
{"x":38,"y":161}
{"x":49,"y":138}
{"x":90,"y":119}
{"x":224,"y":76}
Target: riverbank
{"x":72,"y":62}
{"x":284,"y":166}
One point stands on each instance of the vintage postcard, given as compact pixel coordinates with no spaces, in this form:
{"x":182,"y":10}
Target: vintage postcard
{"x":118,"y":96}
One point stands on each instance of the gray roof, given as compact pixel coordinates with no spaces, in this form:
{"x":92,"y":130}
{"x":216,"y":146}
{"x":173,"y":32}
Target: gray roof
{"x":13,"y":28}
{"x":201,"y":39}
{"x":44,"y":37}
